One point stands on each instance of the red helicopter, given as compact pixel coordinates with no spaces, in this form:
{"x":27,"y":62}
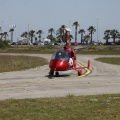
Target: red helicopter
{"x":65,"y":59}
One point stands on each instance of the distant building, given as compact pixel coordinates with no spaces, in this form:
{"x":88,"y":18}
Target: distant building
{"x":47,"y":40}
{"x":25,"y":41}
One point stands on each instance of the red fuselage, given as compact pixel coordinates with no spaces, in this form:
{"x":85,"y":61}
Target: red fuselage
{"x":60,"y":60}
{"x":58,"y":65}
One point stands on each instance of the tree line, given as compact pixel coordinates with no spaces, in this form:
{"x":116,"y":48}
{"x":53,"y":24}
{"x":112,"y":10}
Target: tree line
{"x":114,"y":34}
{"x":5,"y":34}
{"x":60,"y":34}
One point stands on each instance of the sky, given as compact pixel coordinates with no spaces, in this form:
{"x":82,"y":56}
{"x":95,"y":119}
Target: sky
{"x":45,"y":14}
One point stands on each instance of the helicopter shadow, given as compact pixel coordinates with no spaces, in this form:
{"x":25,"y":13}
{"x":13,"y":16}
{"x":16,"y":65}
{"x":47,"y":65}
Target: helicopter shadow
{"x":54,"y":76}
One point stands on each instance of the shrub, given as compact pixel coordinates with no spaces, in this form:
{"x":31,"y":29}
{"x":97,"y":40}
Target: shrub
{"x":4,"y":44}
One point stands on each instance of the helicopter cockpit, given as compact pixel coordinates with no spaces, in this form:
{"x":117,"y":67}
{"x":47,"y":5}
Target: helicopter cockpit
{"x":63,"y":55}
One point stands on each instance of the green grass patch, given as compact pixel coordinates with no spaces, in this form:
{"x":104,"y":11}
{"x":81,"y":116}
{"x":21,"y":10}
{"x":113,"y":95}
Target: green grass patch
{"x":100,"y":107}
{"x":111,"y":60}
{"x":16,"y":63}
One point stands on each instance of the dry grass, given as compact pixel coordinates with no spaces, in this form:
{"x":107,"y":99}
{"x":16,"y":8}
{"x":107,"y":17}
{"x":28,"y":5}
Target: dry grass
{"x":100,"y":50}
{"x":91,"y":49}
{"x":110,"y":60}
{"x":16,"y":63}
{"x":31,"y":49}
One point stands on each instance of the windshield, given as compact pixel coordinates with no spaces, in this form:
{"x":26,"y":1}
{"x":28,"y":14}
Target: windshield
{"x":61,"y":55}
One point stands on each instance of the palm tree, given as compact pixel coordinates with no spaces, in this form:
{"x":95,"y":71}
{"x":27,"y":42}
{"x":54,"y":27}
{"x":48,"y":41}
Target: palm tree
{"x":0,"y":29}
{"x":107,"y":36}
{"x":61,"y":34}
{"x":91,"y":29}
{"x":5,"y":35}
{"x":39,"y":32}
{"x":119,"y":36}
{"x":1,"y":34}
{"x":31,"y":35}
{"x":76,"y":24}
{"x":81,"y":31}
{"x":52,"y":38}
{"x":59,"y":38}
{"x":24,"y":34}
{"x":11,"y":30}
{"x":51,"y":31}
{"x":70,"y":37}
{"x":86,"y":38}
{"x":114,"y":34}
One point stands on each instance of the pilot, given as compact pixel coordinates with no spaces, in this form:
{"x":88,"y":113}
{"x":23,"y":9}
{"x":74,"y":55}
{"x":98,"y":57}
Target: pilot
{"x":71,"y":59}
{"x":70,"y":62}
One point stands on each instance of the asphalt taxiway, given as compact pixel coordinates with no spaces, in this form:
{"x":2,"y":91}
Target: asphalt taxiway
{"x":37,"y":83}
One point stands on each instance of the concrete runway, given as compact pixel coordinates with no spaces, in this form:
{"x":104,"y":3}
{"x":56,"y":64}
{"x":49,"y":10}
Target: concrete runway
{"x":36,"y":83}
